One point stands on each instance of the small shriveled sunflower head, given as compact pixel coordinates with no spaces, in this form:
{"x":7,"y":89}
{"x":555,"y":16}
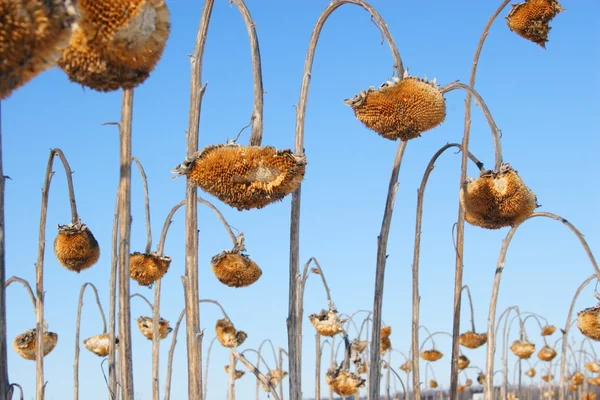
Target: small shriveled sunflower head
{"x":31,"y":36}
{"x":99,"y":344}
{"x":588,"y":396}
{"x":481,"y":378}
{"x":472,"y":340}
{"x":547,"y":353}
{"x":588,"y":322}
{"x":76,"y":247}
{"x":547,"y":378}
{"x":227,"y":335}
{"x":400,"y":109}
{"x":117,"y":43}
{"x":407,"y":366}
{"x":497,"y":199}
{"x":463,"y":362}
{"x":146,"y":327}
{"x":275,"y":376}
{"x":469,"y":382}
{"x":343,"y":383}
{"x":531,"y":19}
{"x":244,"y":177}
{"x":25,"y":343}
{"x":549,"y":394}
{"x":548,"y":330}
{"x":235,"y":269}
{"x":511,"y":396}
{"x":577,"y":378}
{"x":359,"y":345}
{"x":522,"y":348}
{"x":237,"y":374}
{"x":327,"y":323}
{"x":594,"y":381}
{"x":592,"y":367}
{"x":146,"y":269}
{"x":433,"y":384}
{"x":431,"y":355}
{"x":386,"y":343}
{"x":462,"y":388}
{"x":530,"y":372}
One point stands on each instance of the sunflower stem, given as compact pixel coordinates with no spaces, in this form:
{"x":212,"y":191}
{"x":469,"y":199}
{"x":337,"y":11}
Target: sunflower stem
{"x":210,"y":346}
{"x":25,"y":284}
{"x":240,"y":357}
{"x":146,"y":203}
{"x":112,"y":312}
{"x":305,"y":275}
{"x":231,"y":376}
{"x":171,"y":355}
{"x":5,"y":387}
{"x":259,"y":357}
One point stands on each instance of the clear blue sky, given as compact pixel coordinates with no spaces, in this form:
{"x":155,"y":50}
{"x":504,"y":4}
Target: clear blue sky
{"x":545,"y":102}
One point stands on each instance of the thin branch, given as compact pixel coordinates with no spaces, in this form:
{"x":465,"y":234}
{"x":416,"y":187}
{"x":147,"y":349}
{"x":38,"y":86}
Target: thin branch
{"x":210,"y":346}
{"x":256,"y":372}
{"x":10,"y":390}
{"x":321,"y":273}
{"x":171,"y":354}
{"x":146,"y":204}
{"x":389,"y":367}
{"x":430,"y":337}
{"x":25,"y":284}
{"x":218,"y":305}
{"x":141,"y":296}
{"x":112,"y":307}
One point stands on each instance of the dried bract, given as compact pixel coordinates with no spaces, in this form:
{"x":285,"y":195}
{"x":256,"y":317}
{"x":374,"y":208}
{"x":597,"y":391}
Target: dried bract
{"x":588,"y":322}
{"x":25,"y":343}
{"x":32,"y":33}
{"x":497,"y":199}
{"x":275,"y":376}
{"x":76,"y":247}
{"x":227,"y":335}
{"x":400,"y":109}
{"x":431,"y":355}
{"x":469,"y":383}
{"x":99,"y":344}
{"x":359,"y":345}
{"x":146,"y":269}
{"x":522,"y":348}
{"x":327,"y":323}
{"x":237,"y":373}
{"x":531,"y":19}
{"x":547,"y":353}
{"x":244,"y":177}
{"x":343,"y":383}
{"x":472,"y":340}
{"x":548,"y":330}
{"x":463,"y":362}
{"x":235,"y":269}
{"x":146,"y":326}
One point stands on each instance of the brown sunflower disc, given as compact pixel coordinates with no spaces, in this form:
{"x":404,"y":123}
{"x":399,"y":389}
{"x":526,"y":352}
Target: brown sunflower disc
{"x":146,"y":269}
{"x":235,"y":269}
{"x":531,"y":19}
{"x":344,"y":383}
{"x":76,"y":247}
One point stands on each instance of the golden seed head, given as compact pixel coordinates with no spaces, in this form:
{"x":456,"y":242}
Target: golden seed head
{"x":547,"y":378}
{"x":592,"y":367}
{"x":433,"y":384}
{"x":116,"y":44}
{"x":594,"y":381}
{"x":32,"y":32}
{"x":235,"y":269}
{"x":531,"y":19}
{"x":497,"y":199}
{"x":530,"y":372}
{"x":463,"y":362}
{"x":244,"y":177}
{"x":146,"y":269}
{"x":237,"y":374}
{"x":588,"y":322}
{"x":99,"y":344}
{"x":327,"y":323}
{"x":481,"y":378}
{"x":431,"y":355}
{"x":343,"y":383}
{"x":146,"y":327}
{"x":227,"y":335}
{"x":522,"y":348}
{"x":547,"y":353}
{"x":577,"y":378}
{"x":76,"y":247}
{"x":472,"y":340}
{"x":400,"y":109}
{"x":407,"y":366}
{"x":548,"y":330}
{"x":25,"y":343}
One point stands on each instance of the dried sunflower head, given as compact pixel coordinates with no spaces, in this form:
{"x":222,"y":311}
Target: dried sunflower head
{"x":530,"y":372}
{"x":588,"y":322}
{"x":481,"y":378}
{"x":237,"y":373}
{"x":32,"y":34}
{"x":146,"y":269}
{"x":522,"y":348}
{"x":594,"y":381}
{"x":511,"y":396}
{"x":497,"y":199}
{"x":275,"y":376}
{"x":462,"y":388}
{"x":117,"y":43}
{"x":531,"y":19}
{"x":431,"y":355}
{"x":433,"y":384}
{"x":588,"y":396}
{"x":235,"y":269}
{"x":25,"y":343}
{"x":227,"y":335}
{"x":244,"y":177}
{"x":577,"y":378}
{"x":463,"y":362}
{"x":343,"y":383}
{"x":547,"y":378}
{"x":469,"y":382}
{"x":472,"y":340}
{"x":359,"y":345}
{"x":407,"y":366}
{"x":592,"y":367}
{"x":386,"y":343}
{"x":146,"y":326}
{"x":547,"y":353}
{"x":99,"y":344}
{"x":327,"y":323}
{"x":548,"y":330}
{"x":76,"y":247}
{"x":549,"y":394}
{"x":400,"y":109}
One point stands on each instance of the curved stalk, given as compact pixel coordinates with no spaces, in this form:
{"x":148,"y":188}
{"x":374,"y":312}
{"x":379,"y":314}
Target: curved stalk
{"x":318,"y":271}
{"x":77,"y":330}
{"x":397,"y":376}
{"x":218,"y":305}
{"x":146,"y":203}
{"x":416,"y":298}
{"x":565,"y":335}
{"x":207,"y":365}
{"x":281,"y":352}
{"x":294,"y":321}
{"x":171,"y":354}
{"x":460,"y":225}
{"x":25,"y":285}
{"x":471,"y":307}
{"x":498,"y":275}
{"x":10,"y":390}
{"x":240,"y":357}
{"x":141,"y":296}
{"x":430,"y":337}
{"x":259,"y":358}
{"x":506,"y":333}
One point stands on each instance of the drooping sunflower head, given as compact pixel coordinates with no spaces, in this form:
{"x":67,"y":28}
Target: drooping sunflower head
{"x":76,"y":247}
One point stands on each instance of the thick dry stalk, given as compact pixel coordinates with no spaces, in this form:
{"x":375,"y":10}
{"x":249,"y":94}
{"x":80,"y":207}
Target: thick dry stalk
{"x":112,"y":306}
{"x":4,"y":383}
{"x":416,"y":298}
{"x":460,"y":225}
{"x":146,"y":204}
{"x":496,"y":286}
{"x":25,"y":285}
{"x":231,"y":386}
{"x":240,"y":357}
{"x":294,"y":321}
{"x":124,"y":195}
{"x":171,"y":354}
{"x":190,"y":287}
{"x":77,"y":330}
{"x":257,"y":112}
{"x":565,"y":335}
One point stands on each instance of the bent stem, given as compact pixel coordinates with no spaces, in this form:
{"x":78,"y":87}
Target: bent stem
{"x":259,"y":358}
{"x":294,"y":320}
{"x":25,"y":284}
{"x":240,"y":357}
{"x":77,"y":330}
{"x":146,"y":204}
{"x":471,"y":308}
{"x":498,"y":275}
{"x":319,"y":271}
{"x":416,"y":298}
